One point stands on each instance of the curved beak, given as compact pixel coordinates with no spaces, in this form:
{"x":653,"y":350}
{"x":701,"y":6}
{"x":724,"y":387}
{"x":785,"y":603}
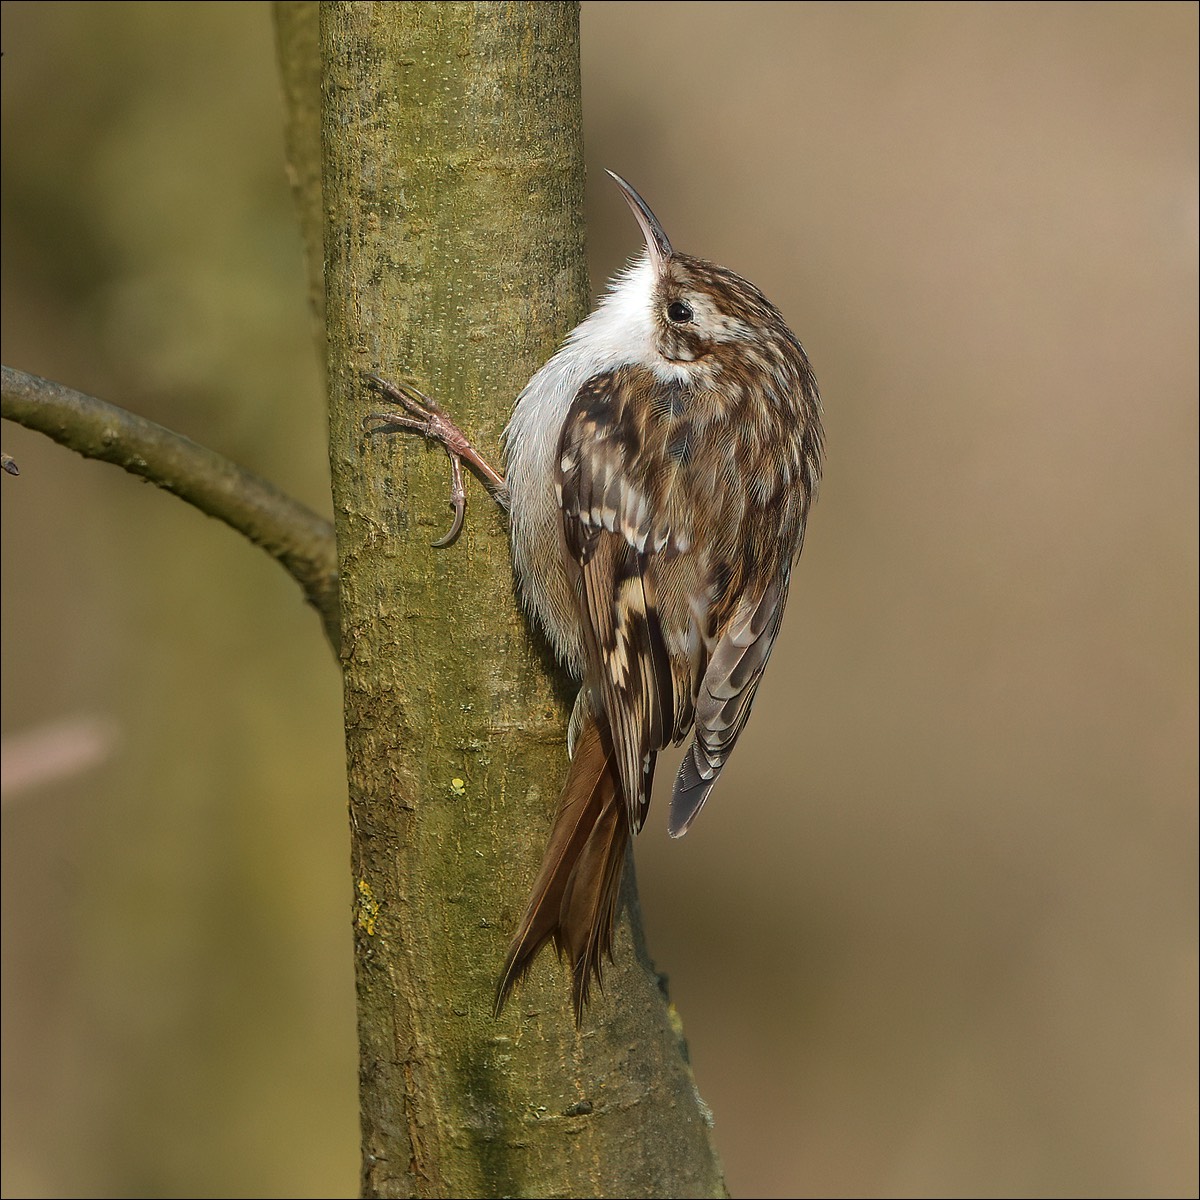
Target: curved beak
{"x":657,"y":241}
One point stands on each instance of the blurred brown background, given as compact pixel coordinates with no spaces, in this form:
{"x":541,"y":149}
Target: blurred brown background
{"x":936,"y":934}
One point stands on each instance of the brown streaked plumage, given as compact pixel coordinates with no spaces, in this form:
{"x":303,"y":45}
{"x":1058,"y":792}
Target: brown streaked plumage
{"x":660,"y":471}
{"x":574,"y":898}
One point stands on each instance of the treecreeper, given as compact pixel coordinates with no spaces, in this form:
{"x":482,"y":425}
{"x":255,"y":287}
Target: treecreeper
{"x":659,"y":472}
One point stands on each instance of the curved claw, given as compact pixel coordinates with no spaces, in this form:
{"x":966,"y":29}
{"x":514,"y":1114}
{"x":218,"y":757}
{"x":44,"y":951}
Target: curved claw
{"x":455,"y":529}
{"x":458,"y":501}
{"x":421,"y":414}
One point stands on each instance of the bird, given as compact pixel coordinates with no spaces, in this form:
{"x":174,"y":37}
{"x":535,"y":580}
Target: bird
{"x":659,"y":473}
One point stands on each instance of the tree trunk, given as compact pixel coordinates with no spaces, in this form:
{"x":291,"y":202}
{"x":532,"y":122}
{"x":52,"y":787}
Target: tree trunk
{"x":454,"y":257}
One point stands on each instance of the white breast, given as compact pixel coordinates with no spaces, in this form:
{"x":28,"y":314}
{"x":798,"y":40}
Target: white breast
{"x":621,"y":330}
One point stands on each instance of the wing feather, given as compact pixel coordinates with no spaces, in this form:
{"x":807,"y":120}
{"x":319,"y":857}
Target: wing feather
{"x":611,"y":541}
{"x":725,"y":697}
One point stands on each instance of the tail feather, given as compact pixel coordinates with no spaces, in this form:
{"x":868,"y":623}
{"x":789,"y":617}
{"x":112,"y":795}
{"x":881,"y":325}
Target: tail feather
{"x":574,"y":899}
{"x":590,"y":904}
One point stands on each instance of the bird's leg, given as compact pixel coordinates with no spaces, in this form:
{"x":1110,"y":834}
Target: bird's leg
{"x":424,"y":416}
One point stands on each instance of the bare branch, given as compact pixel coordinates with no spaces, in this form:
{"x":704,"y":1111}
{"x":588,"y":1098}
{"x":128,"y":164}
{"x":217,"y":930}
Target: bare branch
{"x":292,"y":534}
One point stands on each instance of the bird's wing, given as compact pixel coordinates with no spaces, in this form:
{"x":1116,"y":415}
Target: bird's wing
{"x":725,"y":695}
{"x":614,"y":533}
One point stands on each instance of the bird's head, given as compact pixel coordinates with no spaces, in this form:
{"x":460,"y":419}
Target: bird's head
{"x":690,"y":311}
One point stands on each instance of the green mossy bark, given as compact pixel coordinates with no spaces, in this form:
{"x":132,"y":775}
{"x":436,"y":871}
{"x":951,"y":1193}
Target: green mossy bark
{"x":298,"y":47}
{"x":454,"y":254}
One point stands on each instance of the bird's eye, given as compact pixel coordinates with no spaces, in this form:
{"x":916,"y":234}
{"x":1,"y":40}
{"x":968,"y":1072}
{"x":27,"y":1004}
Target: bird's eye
{"x":679,"y":313}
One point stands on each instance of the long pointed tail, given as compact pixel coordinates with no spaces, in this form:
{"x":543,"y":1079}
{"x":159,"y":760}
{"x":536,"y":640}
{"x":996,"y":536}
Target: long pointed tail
{"x":574,"y":899}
